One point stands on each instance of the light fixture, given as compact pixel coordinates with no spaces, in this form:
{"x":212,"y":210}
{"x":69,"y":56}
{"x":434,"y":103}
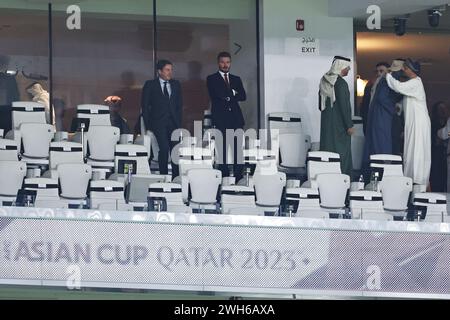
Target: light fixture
{"x":360,"y":86}
{"x":434,"y":15}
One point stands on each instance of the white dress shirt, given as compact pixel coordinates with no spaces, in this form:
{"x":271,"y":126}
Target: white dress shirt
{"x":223,"y":76}
{"x":169,"y":89}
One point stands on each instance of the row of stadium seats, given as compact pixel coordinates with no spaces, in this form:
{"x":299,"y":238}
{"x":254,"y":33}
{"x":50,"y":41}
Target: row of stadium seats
{"x":102,"y":170}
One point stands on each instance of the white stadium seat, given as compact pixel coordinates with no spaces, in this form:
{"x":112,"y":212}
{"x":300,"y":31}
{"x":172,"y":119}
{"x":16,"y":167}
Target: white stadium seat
{"x":319,"y":162}
{"x":107,"y":195}
{"x":132,"y":153}
{"x":143,"y":140}
{"x":8,"y":150}
{"x":12,"y":174}
{"x":284,"y":122}
{"x":269,"y":190}
{"x":333,"y":189}
{"x":27,"y":112}
{"x":233,"y":198}
{"x":102,"y":141}
{"x":47,"y":192}
{"x":204,"y":186}
{"x":74,"y":180}
{"x":387,"y":164}
{"x":302,"y":200}
{"x":395,"y":191}
{"x":364,"y":202}
{"x":36,"y":139}
{"x":433,"y":206}
{"x":171,"y":193}
{"x":192,"y":158}
{"x":292,"y":150}
{"x":64,"y":152}
{"x":98,"y":115}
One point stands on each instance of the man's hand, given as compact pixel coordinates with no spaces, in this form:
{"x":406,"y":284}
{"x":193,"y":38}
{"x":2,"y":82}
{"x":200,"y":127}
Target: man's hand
{"x":350,"y":131}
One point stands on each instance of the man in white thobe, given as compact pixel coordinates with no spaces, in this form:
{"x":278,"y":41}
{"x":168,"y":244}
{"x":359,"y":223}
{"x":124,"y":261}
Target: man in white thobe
{"x":417,"y":148}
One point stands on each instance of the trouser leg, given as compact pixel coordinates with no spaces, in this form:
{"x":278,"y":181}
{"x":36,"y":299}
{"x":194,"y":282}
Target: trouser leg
{"x":164,"y":147}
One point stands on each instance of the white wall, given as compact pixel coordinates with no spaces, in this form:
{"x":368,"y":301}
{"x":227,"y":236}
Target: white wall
{"x":291,"y":80}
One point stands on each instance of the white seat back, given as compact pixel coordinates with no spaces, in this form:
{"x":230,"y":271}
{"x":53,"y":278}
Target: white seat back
{"x":106,"y":194}
{"x":265,"y":160}
{"x":8,"y":150}
{"x":11,"y":177}
{"x":27,"y":112}
{"x":102,"y":141}
{"x":395,"y":191}
{"x":380,"y":216}
{"x":143,"y":140}
{"x":303,"y":199}
{"x":245,"y":211}
{"x":188,"y":141}
{"x":232,"y":197}
{"x":435,"y":205}
{"x":154,"y":145}
{"x":36,"y":139}
{"x":285,"y":122}
{"x":204,"y":185}
{"x":269,"y":188}
{"x":389,"y":163}
{"x":322,"y":162}
{"x":254,"y":155}
{"x":47,"y":192}
{"x":44,"y":187}
{"x":74,"y":179}
{"x":132,"y":152}
{"x":98,"y":115}
{"x":292,"y":150}
{"x":313,"y":214}
{"x":170,"y":191}
{"x":333,"y":189}
{"x":194,"y":158}
{"x":365,"y":201}
{"x":65,"y":152}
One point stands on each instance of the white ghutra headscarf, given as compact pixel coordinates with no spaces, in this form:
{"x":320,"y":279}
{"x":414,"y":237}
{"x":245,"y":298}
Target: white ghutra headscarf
{"x":329,"y":79}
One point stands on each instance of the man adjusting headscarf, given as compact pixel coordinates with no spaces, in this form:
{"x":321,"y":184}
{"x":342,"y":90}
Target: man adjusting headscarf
{"x":38,"y":94}
{"x":336,"y":124}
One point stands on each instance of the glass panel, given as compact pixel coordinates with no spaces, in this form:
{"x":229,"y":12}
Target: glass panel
{"x":192,"y":33}
{"x":23,"y":55}
{"x":111,"y":54}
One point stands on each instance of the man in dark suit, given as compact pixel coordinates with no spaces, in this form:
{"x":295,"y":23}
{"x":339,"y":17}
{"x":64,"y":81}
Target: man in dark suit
{"x":162,"y":106}
{"x":225,"y":92}
{"x":9,"y":92}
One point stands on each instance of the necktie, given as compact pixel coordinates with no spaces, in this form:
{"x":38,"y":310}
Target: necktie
{"x":166,"y":92}
{"x":227,"y":82}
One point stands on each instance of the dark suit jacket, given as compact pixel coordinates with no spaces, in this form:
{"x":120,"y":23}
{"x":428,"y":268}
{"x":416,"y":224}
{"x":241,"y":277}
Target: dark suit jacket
{"x":225,"y":110}
{"x":158,"y":110}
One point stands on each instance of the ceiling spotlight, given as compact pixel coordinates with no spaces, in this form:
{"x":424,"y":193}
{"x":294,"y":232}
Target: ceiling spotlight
{"x":433,"y":17}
